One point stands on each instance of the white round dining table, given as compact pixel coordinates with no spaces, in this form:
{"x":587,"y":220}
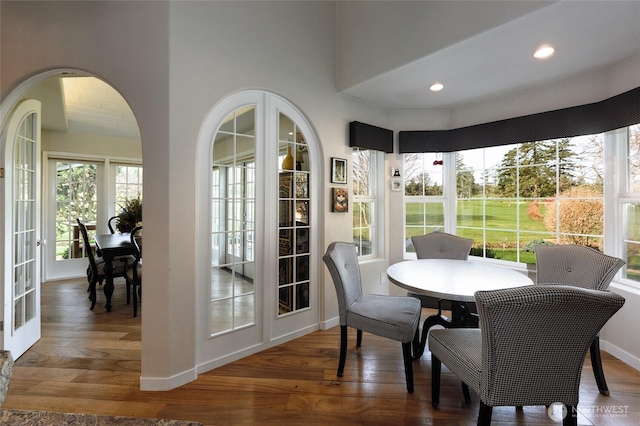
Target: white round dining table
{"x":455,"y":281}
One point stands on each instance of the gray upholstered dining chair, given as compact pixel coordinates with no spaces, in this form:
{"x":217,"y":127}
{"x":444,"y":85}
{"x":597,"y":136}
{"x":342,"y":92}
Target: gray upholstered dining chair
{"x":530,"y":348}
{"x":579,"y":266}
{"x":394,"y":317}
{"x":439,"y":245}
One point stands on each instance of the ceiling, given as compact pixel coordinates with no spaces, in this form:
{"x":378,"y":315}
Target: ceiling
{"x":588,"y":37}
{"x":94,"y":106}
{"x":78,"y":104}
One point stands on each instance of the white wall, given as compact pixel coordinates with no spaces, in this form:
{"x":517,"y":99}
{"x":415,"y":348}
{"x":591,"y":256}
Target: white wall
{"x":90,"y":144}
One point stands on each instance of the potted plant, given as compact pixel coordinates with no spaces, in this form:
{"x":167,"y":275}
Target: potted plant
{"x":130,"y":214}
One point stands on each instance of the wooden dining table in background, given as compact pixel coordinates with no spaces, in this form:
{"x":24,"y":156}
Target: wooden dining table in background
{"x":110,"y":246}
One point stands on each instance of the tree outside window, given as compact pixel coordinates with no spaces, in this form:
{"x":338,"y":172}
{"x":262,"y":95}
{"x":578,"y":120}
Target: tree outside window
{"x":424,"y":195}
{"x":550,"y":192}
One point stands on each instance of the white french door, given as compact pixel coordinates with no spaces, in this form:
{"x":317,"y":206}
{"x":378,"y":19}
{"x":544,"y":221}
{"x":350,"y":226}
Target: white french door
{"x":258,"y":246}
{"x":21,"y":307}
{"x":74,"y":187}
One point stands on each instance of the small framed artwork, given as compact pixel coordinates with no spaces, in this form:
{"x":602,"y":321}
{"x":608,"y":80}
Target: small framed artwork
{"x":396,"y":185}
{"x":339,"y":200}
{"x":338,"y":170}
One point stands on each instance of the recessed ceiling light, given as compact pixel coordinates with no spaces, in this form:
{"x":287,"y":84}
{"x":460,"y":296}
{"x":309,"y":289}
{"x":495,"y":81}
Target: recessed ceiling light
{"x":544,"y":52}
{"x":436,"y":87}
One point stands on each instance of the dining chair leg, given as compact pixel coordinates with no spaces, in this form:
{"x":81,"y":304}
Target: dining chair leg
{"x":343,"y":350}
{"x":416,"y":344}
{"x":465,"y":393}
{"x":484,"y":417}
{"x":135,"y":300}
{"x":596,"y":365}
{"x":92,"y":294}
{"x":436,"y":366}
{"x":359,"y":338}
{"x":571,"y":419}
{"x":408,"y":365}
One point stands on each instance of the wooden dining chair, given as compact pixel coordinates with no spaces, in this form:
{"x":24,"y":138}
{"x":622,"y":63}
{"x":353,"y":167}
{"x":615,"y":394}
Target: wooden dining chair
{"x":112,"y":223}
{"x":133,"y":269}
{"x":96,"y":266}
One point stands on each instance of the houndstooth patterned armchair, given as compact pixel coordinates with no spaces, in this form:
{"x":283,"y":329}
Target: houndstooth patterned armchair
{"x":439,"y":245}
{"x":530,"y":348}
{"x":580,"y":266}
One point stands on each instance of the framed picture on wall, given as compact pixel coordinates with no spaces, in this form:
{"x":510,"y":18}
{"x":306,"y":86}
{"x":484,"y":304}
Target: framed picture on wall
{"x":339,"y":200}
{"x":338,"y":170}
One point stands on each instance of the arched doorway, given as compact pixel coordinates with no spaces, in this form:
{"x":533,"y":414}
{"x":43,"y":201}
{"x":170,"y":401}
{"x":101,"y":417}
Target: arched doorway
{"x":77,"y":112}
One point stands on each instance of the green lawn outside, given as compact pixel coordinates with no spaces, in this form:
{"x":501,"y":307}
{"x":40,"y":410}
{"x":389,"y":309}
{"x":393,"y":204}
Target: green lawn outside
{"x":503,"y":217}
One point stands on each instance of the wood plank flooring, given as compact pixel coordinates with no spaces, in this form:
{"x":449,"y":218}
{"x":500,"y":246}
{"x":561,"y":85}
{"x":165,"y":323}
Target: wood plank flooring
{"x":89,"y":362}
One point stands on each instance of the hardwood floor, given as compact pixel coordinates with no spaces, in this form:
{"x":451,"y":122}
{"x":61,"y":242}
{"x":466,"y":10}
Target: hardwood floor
{"x":89,"y":362}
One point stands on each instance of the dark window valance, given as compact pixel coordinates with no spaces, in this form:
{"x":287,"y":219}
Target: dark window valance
{"x":366,"y":136}
{"x":619,"y":111}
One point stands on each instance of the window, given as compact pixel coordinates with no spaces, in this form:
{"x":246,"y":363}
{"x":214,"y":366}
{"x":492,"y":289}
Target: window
{"x":364,"y":163}
{"x":90,"y":188}
{"x":631,"y":205}
{"x":510,"y":198}
{"x":424,"y":196}
{"x":76,"y":197}
{"x":128,"y":183}
{"x":77,"y":191}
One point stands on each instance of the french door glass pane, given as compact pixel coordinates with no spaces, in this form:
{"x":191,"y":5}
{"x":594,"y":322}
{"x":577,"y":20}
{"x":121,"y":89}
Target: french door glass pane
{"x":76,"y":197}
{"x":128,"y":184}
{"x":233,"y":223}
{"x":293,"y":218}
{"x":24,"y":233}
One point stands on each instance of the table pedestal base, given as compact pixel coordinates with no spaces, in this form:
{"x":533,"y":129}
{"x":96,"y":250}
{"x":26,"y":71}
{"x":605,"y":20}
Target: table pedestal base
{"x":461,"y":317}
